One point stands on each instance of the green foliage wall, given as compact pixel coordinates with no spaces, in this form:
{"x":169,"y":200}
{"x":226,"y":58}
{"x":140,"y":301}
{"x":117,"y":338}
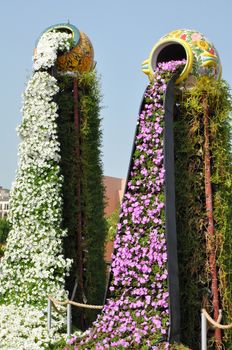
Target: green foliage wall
{"x":87,"y":170}
{"x":4,"y":229}
{"x":94,"y":227}
{"x":195,"y":283}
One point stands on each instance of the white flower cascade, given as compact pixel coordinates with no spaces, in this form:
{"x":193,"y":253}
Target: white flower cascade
{"x":48,"y":46}
{"x":33,"y":266}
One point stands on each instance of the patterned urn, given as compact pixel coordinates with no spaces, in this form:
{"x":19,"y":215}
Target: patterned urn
{"x":81,"y":57}
{"x":200,"y":54}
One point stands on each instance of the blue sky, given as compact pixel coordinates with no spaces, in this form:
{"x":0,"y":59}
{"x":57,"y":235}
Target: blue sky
{"x":123,"y":34}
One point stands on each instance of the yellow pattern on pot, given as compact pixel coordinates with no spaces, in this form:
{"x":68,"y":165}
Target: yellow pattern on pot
{"x":81,"y":56}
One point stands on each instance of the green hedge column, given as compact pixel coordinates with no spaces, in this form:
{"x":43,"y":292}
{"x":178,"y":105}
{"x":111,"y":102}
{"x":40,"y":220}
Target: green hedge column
{"x":87,"y":170}
{"x":195,"y":279}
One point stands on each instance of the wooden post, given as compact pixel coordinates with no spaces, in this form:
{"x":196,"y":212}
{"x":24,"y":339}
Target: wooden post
{"x":210,"y":236}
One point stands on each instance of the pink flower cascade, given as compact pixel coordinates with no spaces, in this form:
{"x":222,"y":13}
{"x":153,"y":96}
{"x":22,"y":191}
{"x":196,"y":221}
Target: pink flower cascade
{"x":136,"y":315}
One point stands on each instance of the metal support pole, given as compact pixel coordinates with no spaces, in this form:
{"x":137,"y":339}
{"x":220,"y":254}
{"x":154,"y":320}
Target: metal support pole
{"x":203,"y":332}
{"x":49,"y":315}
{"x":69,"y":320}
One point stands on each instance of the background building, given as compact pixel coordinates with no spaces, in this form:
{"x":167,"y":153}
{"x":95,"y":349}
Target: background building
{"x":114,"y":190}
{"x":4,"y":202}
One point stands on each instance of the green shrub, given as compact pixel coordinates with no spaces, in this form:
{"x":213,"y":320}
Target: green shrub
{"x":4,"y":229}
{"x":112,"y":222}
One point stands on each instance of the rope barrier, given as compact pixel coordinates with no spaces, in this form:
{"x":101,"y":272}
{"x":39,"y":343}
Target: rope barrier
{"x":214,"y":323}
{"x":57,"y":310}
{"x":86,"y":306}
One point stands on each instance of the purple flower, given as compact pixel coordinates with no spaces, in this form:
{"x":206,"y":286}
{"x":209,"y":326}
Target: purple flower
{"x":137,"y":312}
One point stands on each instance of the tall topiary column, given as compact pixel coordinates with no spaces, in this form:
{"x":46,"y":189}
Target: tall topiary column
{"x":57,"y":195}
{"x":203,"y":104}
{"x":34,"y":265}
{"x":142,"y":309}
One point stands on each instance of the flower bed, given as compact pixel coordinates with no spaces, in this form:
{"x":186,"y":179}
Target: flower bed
{"x":137,"y":313}
{"x":33,"y":265}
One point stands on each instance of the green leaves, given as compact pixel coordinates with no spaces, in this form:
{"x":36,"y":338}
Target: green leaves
{"x":191,"y":220}
{"x":4,"y":229}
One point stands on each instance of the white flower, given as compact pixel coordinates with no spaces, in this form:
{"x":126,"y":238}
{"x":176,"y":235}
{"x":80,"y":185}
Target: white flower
{"x":33,"y":266}
{"x":48,"y":46}
{"x":25,"y":328}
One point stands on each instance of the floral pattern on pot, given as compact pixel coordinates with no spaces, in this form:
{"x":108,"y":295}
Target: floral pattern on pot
{"x":201,"y":55}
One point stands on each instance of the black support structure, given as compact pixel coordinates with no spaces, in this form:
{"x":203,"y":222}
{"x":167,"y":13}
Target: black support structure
{"x":170,"y":215}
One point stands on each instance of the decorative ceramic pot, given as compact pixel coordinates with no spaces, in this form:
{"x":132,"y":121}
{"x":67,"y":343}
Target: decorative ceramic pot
{"x":81,"y":57}
{"x":200,"y":54}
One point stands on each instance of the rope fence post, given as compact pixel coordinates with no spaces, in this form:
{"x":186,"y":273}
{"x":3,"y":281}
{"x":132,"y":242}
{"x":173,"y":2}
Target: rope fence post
{"x":69,"y":320}
{"x":203,"y":331}
{"x":49,"y":323}
{"x":206,"y":320}
{"x":68,"y":304}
